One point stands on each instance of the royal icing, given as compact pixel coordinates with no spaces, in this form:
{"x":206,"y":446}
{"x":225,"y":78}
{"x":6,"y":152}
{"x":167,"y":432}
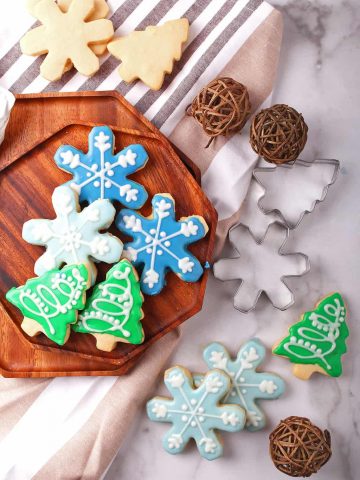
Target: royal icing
{"x":114,"y":307}
{"x":195,"y":413}
{"x":73,"y":236}
{"x":160,"y":243}
{"x":248,"y":385}
{"x":319,"y":337}
{"x":100,"y":174}
{"x":52,"y":300}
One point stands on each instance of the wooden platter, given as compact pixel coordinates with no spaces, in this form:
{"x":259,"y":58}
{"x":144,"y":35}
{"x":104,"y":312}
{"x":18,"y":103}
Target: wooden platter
{"x":38,"y":125}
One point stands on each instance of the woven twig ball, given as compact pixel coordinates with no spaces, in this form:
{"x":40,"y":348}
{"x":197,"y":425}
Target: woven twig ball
{"x":221,"y":108}
{"x":278,"y":134}
{"x":298,"y":447}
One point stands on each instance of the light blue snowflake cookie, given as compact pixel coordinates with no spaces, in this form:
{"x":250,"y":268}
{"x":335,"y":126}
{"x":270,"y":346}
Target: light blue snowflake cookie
{"x":160,"y":243}
{"x":73,"y":236}
{"x":100,"y":174}
{"x":248,"y":385}
{"x":196,"y":412}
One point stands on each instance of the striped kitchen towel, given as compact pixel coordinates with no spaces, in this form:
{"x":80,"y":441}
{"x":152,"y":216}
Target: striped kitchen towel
{"x":70,"y":428}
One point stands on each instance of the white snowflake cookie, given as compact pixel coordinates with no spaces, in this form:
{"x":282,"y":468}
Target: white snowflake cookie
{"x":73,"y":236}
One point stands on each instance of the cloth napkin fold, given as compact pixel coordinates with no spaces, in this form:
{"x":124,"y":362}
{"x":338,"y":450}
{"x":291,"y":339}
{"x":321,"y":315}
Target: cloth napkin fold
{"x":72,"y":428}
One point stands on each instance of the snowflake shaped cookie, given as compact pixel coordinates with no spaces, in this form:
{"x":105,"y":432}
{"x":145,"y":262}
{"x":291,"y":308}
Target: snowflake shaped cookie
{"x":100,"y":174}
{"x":65,"y":37}
{"x":160,"y":243}
{"x":262,"y":267}
{"x":248,"y":385}
{"x":196,"y":412}
{"x":73,"y":236}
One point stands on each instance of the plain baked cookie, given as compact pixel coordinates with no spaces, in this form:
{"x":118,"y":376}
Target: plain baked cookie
{"x":150,"y":54}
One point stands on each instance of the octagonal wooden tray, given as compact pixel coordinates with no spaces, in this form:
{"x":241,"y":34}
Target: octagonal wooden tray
{"x":38,"y":125}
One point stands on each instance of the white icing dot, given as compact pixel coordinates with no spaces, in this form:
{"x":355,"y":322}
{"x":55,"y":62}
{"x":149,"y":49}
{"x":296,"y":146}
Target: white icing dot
{"x":193,"y":423}
{"x":148,"y":239}
{"x":107,"y":184}
{"x":193,"y":401}
{"x":184,"y":418}
{"x":94,"y":166}
{"x":153,"y":231}
{"x":242,"y":379}
{"x":88,"y":174}
{"x":167,"y":243}
{"x":202,"y":419}
{"x":116,"y":322}
{"x":96,"y":183}
{"x":159,"y":252}
{"x":201,"y":410}
{"x":162,"y":234}
{"x":149,"y":250}
{"x":244,"y":390}
{"x":184,"y":406}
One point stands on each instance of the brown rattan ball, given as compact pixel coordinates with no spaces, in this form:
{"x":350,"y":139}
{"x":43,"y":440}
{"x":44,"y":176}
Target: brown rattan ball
{"x":221,"y":108}
{"x":298,"y":447}
{"x":278,"y":134}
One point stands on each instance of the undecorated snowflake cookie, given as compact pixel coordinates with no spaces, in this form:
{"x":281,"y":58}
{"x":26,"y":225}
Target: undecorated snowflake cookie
{"x":50,"y":303}
{"x":100,"y":174}
{"x":160,"y":243}
{"x":113,"y":311}
{"x":73,"y":236}
{"x":196,"y":412}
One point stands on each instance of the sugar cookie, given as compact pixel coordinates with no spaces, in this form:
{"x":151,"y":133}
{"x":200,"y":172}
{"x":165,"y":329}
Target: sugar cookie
{"x":317,"y":341}
{"x":66,"y":37}
{"x":160,"y":243}
{"x":50,"y":303}
{"x":150,"y":54}
{"x":100,"y":174}
{"x":73,"y":236}
{"x":113,"y":311}
{"x":247,"y":385}
{"x":196,"y":413}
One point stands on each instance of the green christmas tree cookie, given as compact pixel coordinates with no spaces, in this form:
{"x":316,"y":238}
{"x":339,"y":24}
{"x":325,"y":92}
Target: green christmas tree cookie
{"x":113,"y":311}
{"x":50,"y":303}
{"x":317,"y":342}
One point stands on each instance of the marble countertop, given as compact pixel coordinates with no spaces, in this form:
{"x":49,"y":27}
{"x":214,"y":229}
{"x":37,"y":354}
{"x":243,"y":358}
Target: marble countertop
{"x":318,"y":75}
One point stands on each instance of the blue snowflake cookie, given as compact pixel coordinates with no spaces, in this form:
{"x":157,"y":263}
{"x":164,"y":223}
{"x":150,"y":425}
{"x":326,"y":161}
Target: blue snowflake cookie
{"x":248,"y":385}
{"x":160,"y":243}
{"x":99,"y":174}
{"x":196,"y":412}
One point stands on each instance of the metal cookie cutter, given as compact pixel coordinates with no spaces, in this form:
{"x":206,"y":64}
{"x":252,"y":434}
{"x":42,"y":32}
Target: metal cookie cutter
{"x":293,"y":196}
{"x":258,"y":271}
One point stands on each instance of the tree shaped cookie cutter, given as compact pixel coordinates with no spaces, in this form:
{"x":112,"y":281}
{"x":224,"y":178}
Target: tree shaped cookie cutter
{"x":251,"y":287}
{"x":302,"y":163}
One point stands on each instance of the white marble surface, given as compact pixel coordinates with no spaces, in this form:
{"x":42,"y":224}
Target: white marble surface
{"x":319,"y":75}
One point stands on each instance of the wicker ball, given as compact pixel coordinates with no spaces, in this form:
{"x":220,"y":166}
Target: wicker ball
{"x":221,"y":108}
{"x":278,"y":134}
{"x":299,"y":448}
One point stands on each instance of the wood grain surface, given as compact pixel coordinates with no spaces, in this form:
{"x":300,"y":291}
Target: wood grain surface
{"x":39,"y":124}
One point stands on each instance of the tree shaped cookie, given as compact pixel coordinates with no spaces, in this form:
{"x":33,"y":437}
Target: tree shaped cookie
{"x":247,"y":385}
{"x":196,"y":412}
{"x":160,"y":243}
{"x":113,"y":311}
{"x":317,"y":342}
{"x":66,"y":37}
{"x":73,"y":236}
{"x":150,"y":54}
{"x":101,"y":9}
{"x":261,"y":266}
{"x":101,"y":174}
{"x":50,"y":303}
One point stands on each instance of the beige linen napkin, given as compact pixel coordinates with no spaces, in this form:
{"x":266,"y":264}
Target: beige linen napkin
{"x":71,"y":428}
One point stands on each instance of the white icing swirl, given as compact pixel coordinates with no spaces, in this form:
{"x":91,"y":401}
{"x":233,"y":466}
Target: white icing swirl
{"x":7,"y":101}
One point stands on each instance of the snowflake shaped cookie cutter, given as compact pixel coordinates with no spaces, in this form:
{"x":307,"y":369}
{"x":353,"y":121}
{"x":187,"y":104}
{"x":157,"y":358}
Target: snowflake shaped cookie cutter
{"x":73,"y":236}
{"x":252,"y":269}
{"x":160,"y":243}
{"x":66,"y":37}
{"x":196,"y":412}
{"x":99,"y":174}
{"x":247,"y":385}
{"x":261,"y":172}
